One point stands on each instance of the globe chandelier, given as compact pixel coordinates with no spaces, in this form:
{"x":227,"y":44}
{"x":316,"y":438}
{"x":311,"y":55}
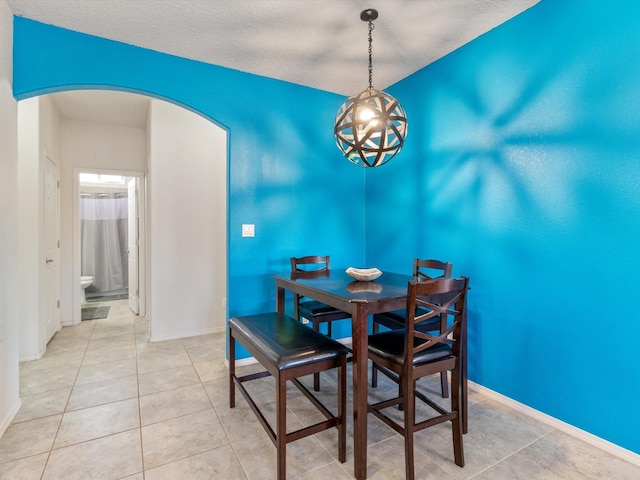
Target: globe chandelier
{"x":371,"y":126}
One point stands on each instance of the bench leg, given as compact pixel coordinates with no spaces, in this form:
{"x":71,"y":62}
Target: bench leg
{"x":232,"y":369}
{"x":342,"y":411}
{"x":281,"y":422}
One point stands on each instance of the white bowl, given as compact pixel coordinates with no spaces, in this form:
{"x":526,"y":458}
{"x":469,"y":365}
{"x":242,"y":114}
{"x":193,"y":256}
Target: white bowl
{"x":363,"y":274}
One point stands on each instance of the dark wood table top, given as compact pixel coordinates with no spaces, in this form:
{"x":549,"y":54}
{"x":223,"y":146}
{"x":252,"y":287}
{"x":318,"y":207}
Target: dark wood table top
{"x":337,"y":283}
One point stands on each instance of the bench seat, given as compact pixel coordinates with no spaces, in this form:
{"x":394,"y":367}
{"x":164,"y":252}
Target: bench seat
{"x":284,"y":343}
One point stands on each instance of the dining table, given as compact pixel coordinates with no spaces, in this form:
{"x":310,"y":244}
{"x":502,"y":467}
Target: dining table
{"x":361,"y":299}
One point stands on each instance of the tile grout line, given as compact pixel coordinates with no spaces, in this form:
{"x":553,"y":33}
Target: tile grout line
{"x":135,"y":345}
{"x":489,"y":467}
{"x":233,"y":449}
{"x":64,"y":410}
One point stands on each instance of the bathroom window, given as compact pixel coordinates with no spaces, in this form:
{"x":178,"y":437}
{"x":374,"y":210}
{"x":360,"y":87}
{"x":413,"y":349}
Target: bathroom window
{"x":101,"y":179}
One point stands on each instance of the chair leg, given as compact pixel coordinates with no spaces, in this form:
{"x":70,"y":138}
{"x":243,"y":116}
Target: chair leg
{"x":232,"y":370}
{"x":281,"y":427}
{"x":457,"y":422}
{"x":374,"y":369}
{"x":464,"y":392}
{"x":409,"y":405}
{"x":444,"y":384}
{"x":316,"y":376}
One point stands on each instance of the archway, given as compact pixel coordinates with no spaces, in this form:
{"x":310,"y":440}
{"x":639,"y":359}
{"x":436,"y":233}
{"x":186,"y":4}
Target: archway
{"x":190,"y":266}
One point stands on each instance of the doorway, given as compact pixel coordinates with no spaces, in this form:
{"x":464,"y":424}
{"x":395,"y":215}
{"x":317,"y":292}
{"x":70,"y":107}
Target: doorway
{"x":109,"y":238}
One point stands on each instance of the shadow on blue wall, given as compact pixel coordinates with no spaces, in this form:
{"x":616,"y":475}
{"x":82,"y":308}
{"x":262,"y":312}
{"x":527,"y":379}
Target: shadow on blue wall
{"x":522,"y":169}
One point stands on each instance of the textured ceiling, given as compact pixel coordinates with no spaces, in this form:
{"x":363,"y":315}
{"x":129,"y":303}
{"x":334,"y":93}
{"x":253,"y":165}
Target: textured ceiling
{"x":103,"y":106}
{"x":316,"y":43}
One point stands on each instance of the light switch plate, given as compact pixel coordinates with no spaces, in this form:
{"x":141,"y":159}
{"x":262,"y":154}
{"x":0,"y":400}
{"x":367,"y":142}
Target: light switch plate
{"x":248,"y":230}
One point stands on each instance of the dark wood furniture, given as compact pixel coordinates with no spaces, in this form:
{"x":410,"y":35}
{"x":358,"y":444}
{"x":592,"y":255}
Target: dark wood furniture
{"x":314,"y":311}
{"x":288,"y":350}
{"x":360,"y":299}
{"x":422,"y":270}
{"x":412,"y":353}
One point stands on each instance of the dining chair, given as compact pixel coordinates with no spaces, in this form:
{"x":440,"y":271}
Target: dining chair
{"x":412,"y":353}
{"x":313,"y":311}
{"x":422,"y":270}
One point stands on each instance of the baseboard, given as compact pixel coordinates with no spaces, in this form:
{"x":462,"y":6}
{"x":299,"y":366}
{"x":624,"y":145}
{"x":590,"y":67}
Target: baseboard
{"x":6,"y":421}
{"x":34,"y":356}
{"x":243,"y":362}
{"x":208,"y":331}
{"x":576,"y":432}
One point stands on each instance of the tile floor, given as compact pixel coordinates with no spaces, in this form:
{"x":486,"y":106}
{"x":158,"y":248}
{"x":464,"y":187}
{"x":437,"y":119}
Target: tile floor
{"x":103,"y":403}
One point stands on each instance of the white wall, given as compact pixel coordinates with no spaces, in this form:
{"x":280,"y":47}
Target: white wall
{"x":90,"y":145}
{"x":30,"y":308}
{"x":9,"y":401}
{"x":38,"y":135}
{"x":187,"y":192}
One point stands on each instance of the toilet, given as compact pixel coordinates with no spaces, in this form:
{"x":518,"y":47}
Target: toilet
{"x":85,"y":281}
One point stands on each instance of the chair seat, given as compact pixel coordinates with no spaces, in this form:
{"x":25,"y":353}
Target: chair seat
{"x":390,"y":346}
{"x":314,"y":308}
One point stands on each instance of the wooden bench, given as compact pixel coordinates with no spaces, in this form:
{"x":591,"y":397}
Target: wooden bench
{"x":288,"y":350}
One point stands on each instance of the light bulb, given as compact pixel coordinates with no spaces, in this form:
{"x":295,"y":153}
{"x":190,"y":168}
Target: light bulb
{"x":367,"y":115}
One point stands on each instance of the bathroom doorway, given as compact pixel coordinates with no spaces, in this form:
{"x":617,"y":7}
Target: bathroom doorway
{"x":109,"y":242}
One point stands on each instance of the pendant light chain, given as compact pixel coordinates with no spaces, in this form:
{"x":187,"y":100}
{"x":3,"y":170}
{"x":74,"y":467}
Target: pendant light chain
{"x":370,"y":55}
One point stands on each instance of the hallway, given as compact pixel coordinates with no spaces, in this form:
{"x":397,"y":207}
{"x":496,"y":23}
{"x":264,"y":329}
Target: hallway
{"x":104,"y":403}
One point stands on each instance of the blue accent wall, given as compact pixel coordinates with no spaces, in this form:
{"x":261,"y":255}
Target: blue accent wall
{"x":286,"y":175}
{"x":522,"y":166}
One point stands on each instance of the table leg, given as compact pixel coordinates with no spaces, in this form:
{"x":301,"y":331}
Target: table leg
{"x":359,"y":333}
{"x":280,"y":299}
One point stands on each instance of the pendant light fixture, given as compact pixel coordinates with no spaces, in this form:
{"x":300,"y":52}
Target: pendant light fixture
{"x":371,"y":126}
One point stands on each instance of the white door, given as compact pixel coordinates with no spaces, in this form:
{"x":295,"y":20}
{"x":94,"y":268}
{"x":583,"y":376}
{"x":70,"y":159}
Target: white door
{"x":52,"y":248}
{"x":132,"y":245}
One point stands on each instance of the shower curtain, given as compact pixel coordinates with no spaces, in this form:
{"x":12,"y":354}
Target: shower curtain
{"x":103,"y":225}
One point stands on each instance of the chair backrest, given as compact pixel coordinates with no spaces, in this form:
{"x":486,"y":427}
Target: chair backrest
{"x":310,"y":263}
{"x":311,"y":266}
{"x":429,"y":269}
{"x":427,"y":299}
